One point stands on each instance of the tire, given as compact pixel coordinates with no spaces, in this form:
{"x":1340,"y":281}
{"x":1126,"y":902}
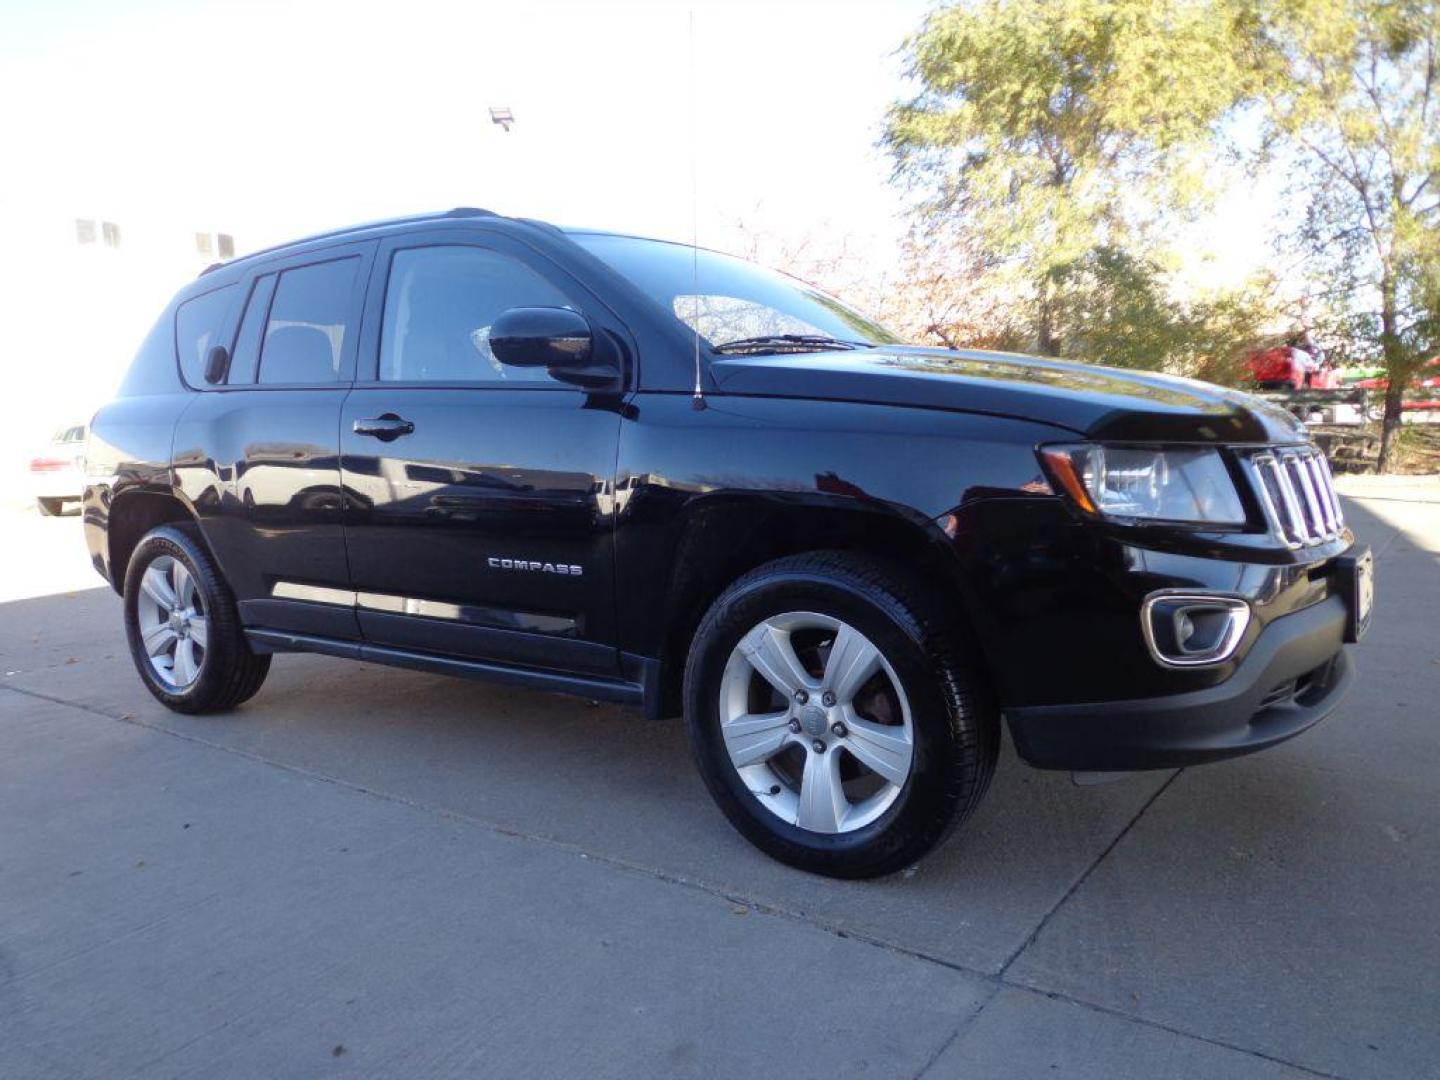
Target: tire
{"x":50,"y":507}
{"x":927,"y":689}
{"x":216,"y":670}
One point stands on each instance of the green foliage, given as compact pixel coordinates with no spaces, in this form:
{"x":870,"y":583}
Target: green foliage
{"x":1112,"y":308}
{"x":1350,"y":88}
{"x":1059,"y":138}
{"x":1117,"y":309}
{"x":1053,"y":142}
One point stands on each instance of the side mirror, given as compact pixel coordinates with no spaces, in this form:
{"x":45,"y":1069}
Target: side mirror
{"x":217,"y":363}
{"x":559,"y":340}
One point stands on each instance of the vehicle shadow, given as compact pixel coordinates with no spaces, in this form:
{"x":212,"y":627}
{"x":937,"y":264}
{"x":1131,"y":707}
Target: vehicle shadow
{"x":595,"y":776}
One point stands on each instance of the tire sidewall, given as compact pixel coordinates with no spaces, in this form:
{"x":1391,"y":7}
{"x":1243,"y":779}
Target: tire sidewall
{"x":928,"y":795}
{"x":176,"y":544}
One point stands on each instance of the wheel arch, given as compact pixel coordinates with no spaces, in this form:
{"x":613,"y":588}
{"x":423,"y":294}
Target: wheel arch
{"x":132,"y":514}
{"x":726,"y":536}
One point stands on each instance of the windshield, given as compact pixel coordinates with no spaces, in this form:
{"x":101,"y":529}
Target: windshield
{"x":736,"y":302}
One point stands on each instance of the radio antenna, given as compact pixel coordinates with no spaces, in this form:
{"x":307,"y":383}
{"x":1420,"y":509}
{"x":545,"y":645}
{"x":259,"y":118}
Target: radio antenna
{"x":697,"y":398}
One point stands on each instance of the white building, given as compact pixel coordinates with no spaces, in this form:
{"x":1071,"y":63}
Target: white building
{"x":82,"y":285}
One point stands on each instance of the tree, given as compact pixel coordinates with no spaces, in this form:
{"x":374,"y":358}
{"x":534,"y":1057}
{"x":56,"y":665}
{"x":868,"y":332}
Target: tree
{"x":1352,"y":86}
{"x":945,"y":294}
{"x":1119,"y":310}
{"x":1054,"y":130}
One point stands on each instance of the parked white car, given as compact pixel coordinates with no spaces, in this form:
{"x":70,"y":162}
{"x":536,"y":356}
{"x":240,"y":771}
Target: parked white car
{"x":57,"y":476}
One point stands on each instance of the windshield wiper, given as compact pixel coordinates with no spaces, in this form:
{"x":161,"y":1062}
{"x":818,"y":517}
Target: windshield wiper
{"x":787,"y":343}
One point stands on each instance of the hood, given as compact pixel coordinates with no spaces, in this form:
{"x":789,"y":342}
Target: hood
{"x":1096,"y":402}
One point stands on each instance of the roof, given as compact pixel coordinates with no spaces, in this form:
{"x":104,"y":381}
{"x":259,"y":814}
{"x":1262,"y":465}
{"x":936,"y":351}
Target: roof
{"x":438,"y":215}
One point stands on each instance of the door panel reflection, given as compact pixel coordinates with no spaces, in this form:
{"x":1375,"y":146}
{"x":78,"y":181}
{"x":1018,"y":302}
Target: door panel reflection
{"x":472,"y":512}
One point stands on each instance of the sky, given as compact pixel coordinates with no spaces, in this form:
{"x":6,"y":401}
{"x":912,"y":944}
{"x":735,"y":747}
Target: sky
{"x":274,"y":120}
{"x":281,"y":119}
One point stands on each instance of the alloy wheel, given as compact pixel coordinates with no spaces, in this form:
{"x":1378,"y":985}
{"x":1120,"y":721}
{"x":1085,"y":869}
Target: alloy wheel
{"x":174,"y":626}
{"x":816,"y":722}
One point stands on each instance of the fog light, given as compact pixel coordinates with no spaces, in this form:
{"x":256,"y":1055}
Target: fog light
{"x":1185,"y":629}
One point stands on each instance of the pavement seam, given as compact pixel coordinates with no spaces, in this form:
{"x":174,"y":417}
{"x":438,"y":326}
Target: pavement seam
{"x":1105,"y":1010}
{"x":763,"y":907}
{"x":964,"y":1026}
{"x":125,"y":935}
{"x":1085,"y":874}
{"x":999,"y":980}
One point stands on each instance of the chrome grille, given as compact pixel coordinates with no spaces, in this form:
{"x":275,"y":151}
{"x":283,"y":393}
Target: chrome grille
{"x":1298,"y":494}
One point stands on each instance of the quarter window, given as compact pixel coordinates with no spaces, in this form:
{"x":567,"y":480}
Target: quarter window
{"x":309,"y":320}
{"x":439,"y":306}
{"x":198,"y":325}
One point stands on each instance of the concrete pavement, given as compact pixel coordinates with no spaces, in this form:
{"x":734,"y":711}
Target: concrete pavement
{"x":382,"y":873}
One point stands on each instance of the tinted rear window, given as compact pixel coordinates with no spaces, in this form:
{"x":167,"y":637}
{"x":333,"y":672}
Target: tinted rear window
{"x":198,"y":326}
{"x":309,"y":320}
{"x":246,"y":359}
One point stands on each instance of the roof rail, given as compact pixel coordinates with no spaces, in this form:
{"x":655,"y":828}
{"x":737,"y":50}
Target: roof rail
{"x":334,"y":234}
{"x":542,"y":225}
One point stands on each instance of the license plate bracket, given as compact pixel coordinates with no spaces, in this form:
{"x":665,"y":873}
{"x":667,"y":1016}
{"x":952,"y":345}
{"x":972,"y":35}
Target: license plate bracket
{"x":1357,"y":579}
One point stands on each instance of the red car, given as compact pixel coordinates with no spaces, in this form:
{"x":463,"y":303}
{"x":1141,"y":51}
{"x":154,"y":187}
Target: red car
{"x":1287,"y":367}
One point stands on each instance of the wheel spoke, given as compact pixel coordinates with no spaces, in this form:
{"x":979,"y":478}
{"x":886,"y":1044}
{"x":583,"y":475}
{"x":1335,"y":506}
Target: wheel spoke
{"x":882,"y":749}
{"x":184,"y":584}
{"x":185,"y":665}
{"x":849,"y":744}
{"x":155,"y":585}
{"x":755,"y":737}
{"x":770,"y":653}
{"x":200,"y":630}
{"x":157,"y":639}
{"x":852,"y":661}
{"x":822,"y":799}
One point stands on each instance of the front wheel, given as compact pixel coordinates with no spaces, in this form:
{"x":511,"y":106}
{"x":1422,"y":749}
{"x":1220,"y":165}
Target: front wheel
{"x":183,"y":626}
{"x":838,"y":717}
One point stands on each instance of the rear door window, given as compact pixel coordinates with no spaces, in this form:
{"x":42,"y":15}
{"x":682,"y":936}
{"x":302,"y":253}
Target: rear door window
{"x":246,"y":359}
{"x":309,"y":323}
{"x":199,"y":324}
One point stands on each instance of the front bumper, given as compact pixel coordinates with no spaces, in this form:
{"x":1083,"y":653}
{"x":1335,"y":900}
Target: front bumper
{"x":1292,"y":677}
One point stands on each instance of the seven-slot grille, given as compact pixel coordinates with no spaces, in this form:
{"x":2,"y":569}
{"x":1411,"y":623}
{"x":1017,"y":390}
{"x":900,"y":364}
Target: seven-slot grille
{"x":1298,"y":494}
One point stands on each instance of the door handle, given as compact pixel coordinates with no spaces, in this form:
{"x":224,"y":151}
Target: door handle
{"x":385,"y":427}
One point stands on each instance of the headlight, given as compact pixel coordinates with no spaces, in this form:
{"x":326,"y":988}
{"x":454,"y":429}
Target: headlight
{"x":1130,"y":483}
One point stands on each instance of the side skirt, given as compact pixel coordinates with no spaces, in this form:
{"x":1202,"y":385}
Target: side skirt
{"x":622,"y":692}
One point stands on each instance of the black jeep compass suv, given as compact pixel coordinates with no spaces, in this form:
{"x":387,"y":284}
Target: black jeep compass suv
{"x":646,"y":473}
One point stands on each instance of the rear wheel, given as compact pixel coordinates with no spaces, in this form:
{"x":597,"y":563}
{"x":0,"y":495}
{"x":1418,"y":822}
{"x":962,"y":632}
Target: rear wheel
{"x":838,"y":718}
{"x":183,"y":626}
